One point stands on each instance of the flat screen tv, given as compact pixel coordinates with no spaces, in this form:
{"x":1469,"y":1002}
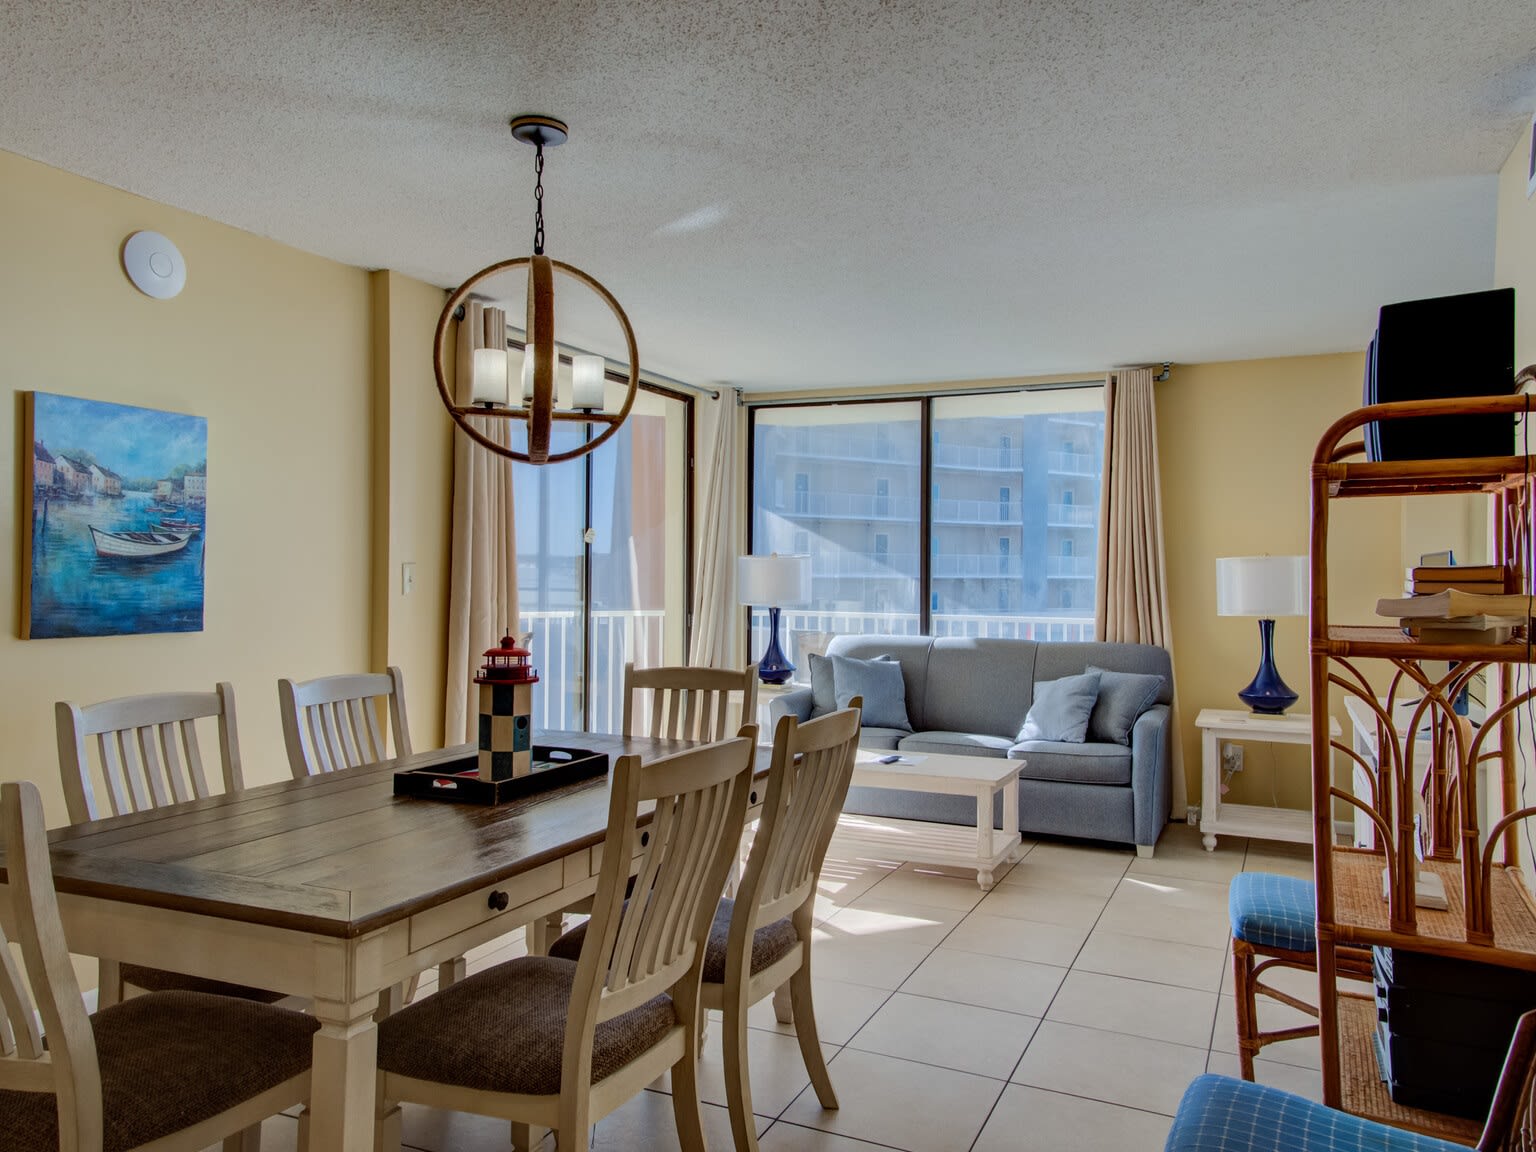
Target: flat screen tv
{"x":1443,"y":347}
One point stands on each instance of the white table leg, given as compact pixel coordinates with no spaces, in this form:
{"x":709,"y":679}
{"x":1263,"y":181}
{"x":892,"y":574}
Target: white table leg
{"x":345,"y":1076}
{"x":1011,"y":817}
{"x":1210,"y":786}
{"x":783,"y":1005}
{"x":542,"y":933}
{"x":984,"y":837}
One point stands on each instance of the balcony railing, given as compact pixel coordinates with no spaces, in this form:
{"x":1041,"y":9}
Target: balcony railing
{"x":853,"y":505}
{"x":1071,"y":567}
{"x":1073,"y":463}
{"x":976,"y":456}
{"x":1054,"y":628}
{"x":977,"y":512}
{"x":955,"y":566}
{"x":617,"y":637}
{"x":1071,"y":516}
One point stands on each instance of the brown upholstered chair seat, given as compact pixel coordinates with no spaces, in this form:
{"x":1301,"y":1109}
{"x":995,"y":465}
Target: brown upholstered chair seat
{"x":770,"y":943}
{"x":160,"y":980}
{"x":503,"y":1030}
{"x":170,"y":1060}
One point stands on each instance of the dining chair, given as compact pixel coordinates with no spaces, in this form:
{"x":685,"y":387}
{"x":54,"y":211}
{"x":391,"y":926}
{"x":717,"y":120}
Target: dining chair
{"x":168,"y":1071}
{"x":147,"y":756}
{"x":333,"y":722}
{"x":560,"y":1043}
{"x":687,"y":703}
{"x":761,"y":940}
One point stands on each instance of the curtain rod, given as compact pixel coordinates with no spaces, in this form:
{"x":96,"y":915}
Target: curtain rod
{"x":788,"y":400}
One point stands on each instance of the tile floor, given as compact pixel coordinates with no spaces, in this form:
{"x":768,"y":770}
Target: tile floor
{"x":1067,"y":1008}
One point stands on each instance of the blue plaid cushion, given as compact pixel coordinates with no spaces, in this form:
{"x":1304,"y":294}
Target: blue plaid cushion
{"x":1220,"y":1114}
{"x":1273,"y":911}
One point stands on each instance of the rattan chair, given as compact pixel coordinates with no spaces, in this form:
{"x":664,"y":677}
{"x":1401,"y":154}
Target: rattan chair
{"x":561,"y":1043}
{"x":167,"y":1071}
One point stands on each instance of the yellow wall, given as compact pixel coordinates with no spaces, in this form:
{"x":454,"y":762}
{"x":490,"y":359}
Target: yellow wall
{"x":1514,"y":259}
{"x":413,"y":494}
{"x":271,"y":345}
{"x":1235,"y":441}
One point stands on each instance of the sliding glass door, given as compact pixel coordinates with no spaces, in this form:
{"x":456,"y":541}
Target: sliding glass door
{"x":603,"y":563}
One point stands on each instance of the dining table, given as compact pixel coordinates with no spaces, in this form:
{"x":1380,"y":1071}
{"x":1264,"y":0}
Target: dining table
{"x":334,"y":889}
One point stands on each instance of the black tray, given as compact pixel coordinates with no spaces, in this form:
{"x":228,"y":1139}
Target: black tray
{"x":458,"y":781}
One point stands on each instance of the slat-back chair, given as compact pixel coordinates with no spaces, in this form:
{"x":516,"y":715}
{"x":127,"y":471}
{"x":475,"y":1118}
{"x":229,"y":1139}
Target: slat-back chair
{"x":147,"y":756}
{"x":219,"y":1066}
{"x":147,"y":751}
{"x":333,"y":722}
{"x":688,"y":703}
{"x":561,"y":1043}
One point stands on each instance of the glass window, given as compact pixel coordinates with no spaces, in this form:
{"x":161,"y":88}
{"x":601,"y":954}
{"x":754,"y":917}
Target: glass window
{"x":861,"y":581}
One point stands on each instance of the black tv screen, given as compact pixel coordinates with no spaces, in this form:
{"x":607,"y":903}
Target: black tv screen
{"x":1443,"y":347}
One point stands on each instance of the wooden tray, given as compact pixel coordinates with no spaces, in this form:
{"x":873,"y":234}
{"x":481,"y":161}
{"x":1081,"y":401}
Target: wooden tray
{"x":459,"y":781}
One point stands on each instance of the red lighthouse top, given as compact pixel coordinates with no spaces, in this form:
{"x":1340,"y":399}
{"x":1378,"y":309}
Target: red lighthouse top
{"x":507,"y":663}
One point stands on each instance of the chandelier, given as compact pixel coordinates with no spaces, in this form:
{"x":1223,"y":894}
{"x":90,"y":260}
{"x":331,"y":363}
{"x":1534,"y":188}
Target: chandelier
{"x":536,"y":405}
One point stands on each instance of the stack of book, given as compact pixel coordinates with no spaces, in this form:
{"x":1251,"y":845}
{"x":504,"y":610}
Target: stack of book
{"x":1456,"y":615}
{"x":1428,"y":579}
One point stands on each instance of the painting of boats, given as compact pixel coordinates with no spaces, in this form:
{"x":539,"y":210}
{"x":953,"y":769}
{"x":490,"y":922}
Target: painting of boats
{"x":118,"y":529}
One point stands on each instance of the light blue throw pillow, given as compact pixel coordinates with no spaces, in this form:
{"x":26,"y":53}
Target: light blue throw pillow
{"x":879,"y":682}
{"x":1123,"y":696}
{"x":1061,"y":709}
{"x":823,"y":694}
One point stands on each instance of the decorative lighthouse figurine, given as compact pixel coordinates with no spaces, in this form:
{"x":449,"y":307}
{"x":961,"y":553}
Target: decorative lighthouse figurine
{"x":506,"y":711}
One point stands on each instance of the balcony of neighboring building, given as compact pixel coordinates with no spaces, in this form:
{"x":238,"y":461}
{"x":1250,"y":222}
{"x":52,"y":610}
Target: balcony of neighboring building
{"x":846,"y":447}
{"x":1073,"y":463}
{"x":1071,"y":516}
{"x":1071,"y":567}
{"x":843,"y":506}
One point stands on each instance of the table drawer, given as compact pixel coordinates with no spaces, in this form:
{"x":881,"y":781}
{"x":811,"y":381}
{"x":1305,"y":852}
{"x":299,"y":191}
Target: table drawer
{"x":485,"y":904}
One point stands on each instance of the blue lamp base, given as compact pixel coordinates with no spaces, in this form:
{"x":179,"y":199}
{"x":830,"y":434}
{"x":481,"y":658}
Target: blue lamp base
{"x":774,"y":667}
{"x":1268,"y":694}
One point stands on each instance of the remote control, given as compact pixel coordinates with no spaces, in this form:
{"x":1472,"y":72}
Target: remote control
{"x":889,"y":759}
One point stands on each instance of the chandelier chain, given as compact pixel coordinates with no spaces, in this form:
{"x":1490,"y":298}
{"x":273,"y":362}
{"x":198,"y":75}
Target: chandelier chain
{"x":538,"y":202}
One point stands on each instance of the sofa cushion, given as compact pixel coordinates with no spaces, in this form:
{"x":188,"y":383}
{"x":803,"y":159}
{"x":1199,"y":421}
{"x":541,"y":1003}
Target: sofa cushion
{"x":1065,"y":763}
{"x":1061,"y":709}
{"x":1053,"y":661}
{"x":882,"y":739}
{"x":956,"y":744}
{"x":1123,"y":696}
{"x":977,"y":684}
{"x":911,"y":652}
{"x":823,"y":694}
{"x":879,"y":682}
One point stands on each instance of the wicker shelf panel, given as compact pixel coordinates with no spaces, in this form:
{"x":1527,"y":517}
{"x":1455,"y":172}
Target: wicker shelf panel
{"x":1363,"y":1091}
{"x":1389,"y":642}
{"x":1360,"y":912}
{"x":1408,"y":477}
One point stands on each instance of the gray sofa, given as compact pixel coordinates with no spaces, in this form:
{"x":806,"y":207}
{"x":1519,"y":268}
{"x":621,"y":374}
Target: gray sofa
{"x":969,"y":697}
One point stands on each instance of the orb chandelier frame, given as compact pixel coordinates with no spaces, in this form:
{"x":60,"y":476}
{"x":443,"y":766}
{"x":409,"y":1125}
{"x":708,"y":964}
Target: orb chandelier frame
{"x":541,"y":355}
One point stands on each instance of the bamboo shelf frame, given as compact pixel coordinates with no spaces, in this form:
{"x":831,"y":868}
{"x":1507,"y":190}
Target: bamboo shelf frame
{"x":1423,"y":787}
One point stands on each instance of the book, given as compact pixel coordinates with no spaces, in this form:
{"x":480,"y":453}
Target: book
{"x":1433,"y":633}
{"x":1430,"y":587}
{"x":1478,"y":572}
{"x":1452,"y":602}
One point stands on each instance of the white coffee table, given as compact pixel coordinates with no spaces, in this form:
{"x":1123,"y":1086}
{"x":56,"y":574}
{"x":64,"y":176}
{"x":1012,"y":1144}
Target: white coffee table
{"x":979,"y":776}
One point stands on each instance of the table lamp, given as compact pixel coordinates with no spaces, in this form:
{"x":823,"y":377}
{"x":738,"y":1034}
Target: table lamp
{"x":773,"y":582}
{"x":1266,"y":587}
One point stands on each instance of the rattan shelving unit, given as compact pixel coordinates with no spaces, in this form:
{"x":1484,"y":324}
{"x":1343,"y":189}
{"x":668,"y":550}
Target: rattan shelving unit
{"x":1491,"y":917}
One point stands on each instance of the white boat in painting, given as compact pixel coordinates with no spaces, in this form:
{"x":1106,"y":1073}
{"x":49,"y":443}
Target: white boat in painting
{"x":137,"y":545}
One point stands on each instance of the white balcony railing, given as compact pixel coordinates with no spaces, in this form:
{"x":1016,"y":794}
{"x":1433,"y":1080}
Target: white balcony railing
{"x":617,"y":637}
{"x":1071,"y":516}
{"x":1073,"y":463}
{"x":1071,"y":567}
{"x":1055,"y":628}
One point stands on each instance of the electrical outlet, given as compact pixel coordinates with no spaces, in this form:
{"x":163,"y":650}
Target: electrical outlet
{"x":1231,"y":756}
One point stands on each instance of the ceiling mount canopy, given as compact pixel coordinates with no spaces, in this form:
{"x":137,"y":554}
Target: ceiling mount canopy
{"x":536,"y":406}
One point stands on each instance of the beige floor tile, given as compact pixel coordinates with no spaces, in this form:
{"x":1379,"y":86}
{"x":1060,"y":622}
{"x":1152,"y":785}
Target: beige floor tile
{"x":1159,"y":961}
{"x":774,"y":1067}
{"x":1022,"y":902}
{"x":1032,"y":1120}
{"x":927,"y":888}
{"x":1174,"y":892}
{"x":647,"y":1122}
{"x":963,"y":1037}
{"x":436,"y":1130}
{"x":897,"y":1103}
{"x":1017,"y":939}
{"x":954,"y":871}
{"x":1303,"y":1052}
{"x":1177,"y":910}
{"x":1179,"y":853}
{"x":868,"y":960}
{"x":1135,"y":1007}
{"x":278,"y":1134}
{"x":1275,"y":856}
{"x":841,"y":1008}
{"x":787,"y":1137}
{"x":996,"y":982}
{"x":1306,"y":1082}
{"x":1109,"y":1066}
{"x":1052,"y":875}
{"x":895,"y":921}
{"x":1080,"y":857}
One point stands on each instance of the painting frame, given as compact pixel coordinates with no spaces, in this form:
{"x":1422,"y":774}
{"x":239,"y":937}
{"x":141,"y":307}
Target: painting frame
{"x":115,"y":519}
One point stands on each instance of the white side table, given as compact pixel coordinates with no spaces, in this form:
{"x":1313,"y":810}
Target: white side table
{"x":1218,"y":724}
{"x":766,"y":695}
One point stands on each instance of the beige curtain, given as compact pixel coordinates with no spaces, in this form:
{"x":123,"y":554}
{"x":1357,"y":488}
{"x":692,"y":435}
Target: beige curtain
{"x":482,"y":577}
{"x":716,"y":615}
{"x":1132,"y":573}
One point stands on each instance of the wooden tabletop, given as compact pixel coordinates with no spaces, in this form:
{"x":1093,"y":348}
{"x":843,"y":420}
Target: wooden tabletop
{"x":336,"y":855}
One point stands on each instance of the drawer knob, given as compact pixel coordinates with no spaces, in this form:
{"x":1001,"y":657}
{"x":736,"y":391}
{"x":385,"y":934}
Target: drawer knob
{"x":645,"y":838}
{"x":753,"y":798}
{"x":497,"y":901}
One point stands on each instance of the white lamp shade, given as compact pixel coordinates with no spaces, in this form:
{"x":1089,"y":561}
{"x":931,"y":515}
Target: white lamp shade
{"x":528,"y":373}
{"x":773,"y":581}
{"x":1263,"y":586}
{"x":488,"y":380}
{"x":587,"y":381}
